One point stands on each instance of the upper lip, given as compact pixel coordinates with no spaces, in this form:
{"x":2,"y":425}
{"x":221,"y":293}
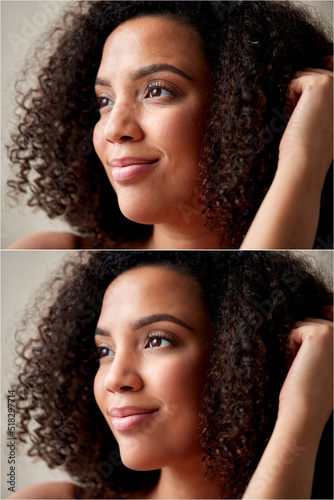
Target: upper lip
{"x":125,"y":161}
{"x":126,"y":411}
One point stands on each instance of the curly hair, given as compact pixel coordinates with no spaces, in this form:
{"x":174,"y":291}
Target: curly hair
{"x":254,"y":49}
{"x":253,"y":298}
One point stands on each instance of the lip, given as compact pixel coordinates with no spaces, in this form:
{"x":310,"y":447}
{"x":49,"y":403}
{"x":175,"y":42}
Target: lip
{"x":130,"y":167}
{"x":129,"y":417}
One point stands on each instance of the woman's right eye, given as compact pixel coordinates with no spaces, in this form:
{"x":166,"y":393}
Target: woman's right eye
{"x":104,"y":102}
{"x":104,"y":352}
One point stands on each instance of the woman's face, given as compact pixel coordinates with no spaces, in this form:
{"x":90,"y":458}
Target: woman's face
{"x":152,"y":340}
{"x":152,"y":88}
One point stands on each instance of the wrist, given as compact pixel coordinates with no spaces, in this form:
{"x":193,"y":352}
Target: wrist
{"x":298,"y":170}
{"x":305,"y":424}
{"x":287,"y":465}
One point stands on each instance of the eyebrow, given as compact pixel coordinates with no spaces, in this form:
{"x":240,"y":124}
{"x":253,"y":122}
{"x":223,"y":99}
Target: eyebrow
{"x":147,"y":70}
{"x":148,"y":320}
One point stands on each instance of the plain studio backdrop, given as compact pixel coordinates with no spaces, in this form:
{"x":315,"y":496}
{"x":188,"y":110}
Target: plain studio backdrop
{"x":21,"y":25}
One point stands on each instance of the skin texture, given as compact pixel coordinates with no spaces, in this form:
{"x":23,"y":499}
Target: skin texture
{"x":139,"y":118}
{"x":169,"y":377}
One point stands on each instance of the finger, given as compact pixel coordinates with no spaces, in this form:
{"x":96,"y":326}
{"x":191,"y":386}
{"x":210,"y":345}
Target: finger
{"x":292,"y":348}
{"x":304,"y":329}
{"x":314,"y":79}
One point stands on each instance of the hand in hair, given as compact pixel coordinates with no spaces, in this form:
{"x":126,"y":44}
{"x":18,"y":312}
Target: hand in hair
{"x":289,"y":214}
{"x":307,"y":144}
{"x":306,"y":400}
{"x":309,"y":384}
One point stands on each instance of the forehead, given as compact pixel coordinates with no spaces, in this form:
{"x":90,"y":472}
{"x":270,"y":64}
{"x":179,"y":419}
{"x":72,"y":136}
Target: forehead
{"x":146,"y":291}
{"x":150,"y":290}
{"x":151,"y":40}
{"x":155,"y":282}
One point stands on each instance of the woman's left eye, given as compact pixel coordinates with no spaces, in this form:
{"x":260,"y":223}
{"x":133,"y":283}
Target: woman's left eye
{"x":157,"y":90}
{"x":157,"y":341}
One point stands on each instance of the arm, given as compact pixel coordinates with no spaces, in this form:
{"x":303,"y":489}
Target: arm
{"x":288,"y":216}
{"x":306,"y":400}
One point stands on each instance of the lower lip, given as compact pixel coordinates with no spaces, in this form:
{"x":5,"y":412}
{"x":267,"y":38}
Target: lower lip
{"x":132,"y":421}
{"x":123,"y":174}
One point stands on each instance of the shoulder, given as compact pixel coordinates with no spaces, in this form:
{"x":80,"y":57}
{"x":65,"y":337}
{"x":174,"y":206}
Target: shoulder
{"x":54,"y":489}
{"x":47,"y":240}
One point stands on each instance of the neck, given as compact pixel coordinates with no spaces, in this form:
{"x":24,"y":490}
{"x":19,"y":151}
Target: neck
{"x":182,"y":236}
{"x":184,"y":480}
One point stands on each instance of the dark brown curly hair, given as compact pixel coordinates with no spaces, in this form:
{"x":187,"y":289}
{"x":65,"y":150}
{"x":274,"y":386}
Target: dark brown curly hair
{"x":254,"y":299}
{"x":254,"y":49}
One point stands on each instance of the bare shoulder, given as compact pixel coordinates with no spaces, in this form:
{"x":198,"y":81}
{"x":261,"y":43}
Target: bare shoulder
{"x":54,"y":489}
{"x":57,"y":240}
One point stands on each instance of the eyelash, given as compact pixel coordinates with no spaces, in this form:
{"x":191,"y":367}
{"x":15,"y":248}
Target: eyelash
{"x":153,"y":335}
{"x":158,"y":335}
{"x":151,"y":86}
{"x":158,"y":85}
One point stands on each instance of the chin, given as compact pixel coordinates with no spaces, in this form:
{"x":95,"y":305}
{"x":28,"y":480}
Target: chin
{"x":142,"y":213}
{"x":141,"y":460}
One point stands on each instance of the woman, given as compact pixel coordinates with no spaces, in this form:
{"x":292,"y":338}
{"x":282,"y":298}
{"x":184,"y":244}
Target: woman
{"x":210,"y":378}
{"x":190,"y":119}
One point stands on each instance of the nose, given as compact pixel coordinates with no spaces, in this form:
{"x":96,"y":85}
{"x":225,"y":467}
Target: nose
{"x":123,"y":374}
{"x":123,"y":124}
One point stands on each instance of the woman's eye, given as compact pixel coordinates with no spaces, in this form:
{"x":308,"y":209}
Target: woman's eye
{"x":104,"y":102}
{"x":104,"y":352}
{"x":157,"y":342}
{"x":157,"y":90}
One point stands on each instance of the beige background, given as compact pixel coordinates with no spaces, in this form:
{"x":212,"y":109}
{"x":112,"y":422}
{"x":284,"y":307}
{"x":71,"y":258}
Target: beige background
{"x":22,"y":273}
{"x":22,"y":22}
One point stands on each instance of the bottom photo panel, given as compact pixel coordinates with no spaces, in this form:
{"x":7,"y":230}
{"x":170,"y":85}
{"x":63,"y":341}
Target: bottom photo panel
{"x":167,"y":374}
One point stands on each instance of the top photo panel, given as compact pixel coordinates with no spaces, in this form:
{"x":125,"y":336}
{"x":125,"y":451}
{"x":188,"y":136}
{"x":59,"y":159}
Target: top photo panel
{"x":167,"y":124}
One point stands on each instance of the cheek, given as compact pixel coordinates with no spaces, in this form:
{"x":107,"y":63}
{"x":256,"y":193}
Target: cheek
{"x":98,"y":140}
{"x":182,"y":132}
{"x":181,"y":383}
{"x":99,"y":392}
{"x":100,"y":148}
